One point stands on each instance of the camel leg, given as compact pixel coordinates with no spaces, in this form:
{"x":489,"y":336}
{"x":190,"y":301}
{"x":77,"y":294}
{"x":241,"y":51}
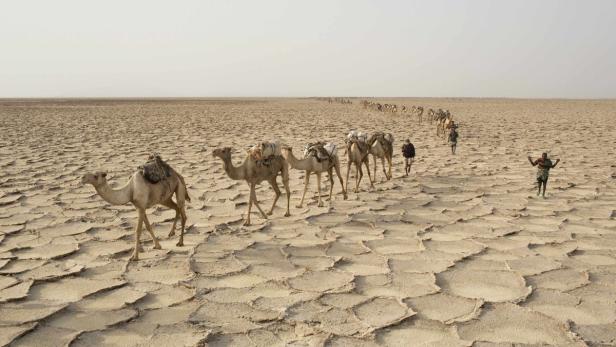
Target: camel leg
{"x":330,"y":174}
{"x":252,"y":193}
{"x":306,"y":181}
{"x":285,"y":183}
{"x":344,"y":191}
{"x":374,"y":156}
{"x":255,"y":201}
{"x":389,"y":163}
{"x":135,"y":255}
{"x":171,"y":204}
{"x":277,"y":193}
{"x":360,"y":175}
{"x":181,"y":241}
{"x":384,"y":171}
{"x":320,"y":202}
{"x":148,"y":227}
{"x":347,"y":175}
{"x":369,"y":177}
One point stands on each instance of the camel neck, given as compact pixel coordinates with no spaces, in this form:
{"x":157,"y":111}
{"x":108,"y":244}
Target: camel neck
{"x":299,"y":164}
{"x":235,"y":173}
{"x":119,"y":196}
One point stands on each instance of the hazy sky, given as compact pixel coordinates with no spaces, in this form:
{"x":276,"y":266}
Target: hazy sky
{"x":484,"y":48}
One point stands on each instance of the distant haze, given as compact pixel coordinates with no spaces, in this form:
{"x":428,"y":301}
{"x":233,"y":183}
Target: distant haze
{"x":139,"y":48}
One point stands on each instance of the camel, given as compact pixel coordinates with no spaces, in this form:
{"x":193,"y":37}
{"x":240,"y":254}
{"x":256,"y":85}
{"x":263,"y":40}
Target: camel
{"x":312,"y":165}
{"x":381,"y":146}
{"x":255,"y":172}
{"x":419,"y":111}
{"x":143,"y":195}
{"x":357,"y":153}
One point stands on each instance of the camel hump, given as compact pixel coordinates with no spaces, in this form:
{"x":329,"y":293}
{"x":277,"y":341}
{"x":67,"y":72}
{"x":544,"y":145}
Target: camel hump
{"x":320,"y":150}
{"x":265,"y":150}
{"x":155,"y":169}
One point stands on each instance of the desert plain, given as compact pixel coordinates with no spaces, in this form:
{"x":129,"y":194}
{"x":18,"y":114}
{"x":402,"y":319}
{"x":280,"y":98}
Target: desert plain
{"x":460,"y":253}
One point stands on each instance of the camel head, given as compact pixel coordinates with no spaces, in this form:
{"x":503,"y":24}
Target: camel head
{"x":222,"y":153}
{"x":96,"y":179}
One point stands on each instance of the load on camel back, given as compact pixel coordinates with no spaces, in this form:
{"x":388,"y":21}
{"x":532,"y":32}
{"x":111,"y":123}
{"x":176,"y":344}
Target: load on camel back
{"x":155,"y":169}
{"x":385,"y":139}
{"x":263,"y":152}
{"x":321,"y":151}
{"x":361,"y":139}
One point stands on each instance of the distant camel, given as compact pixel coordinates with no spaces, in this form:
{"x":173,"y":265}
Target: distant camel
{"x":357,"y":153}
{"x":312,"y":163}
{"x":255,"y":172}
{"x":381,"y":146}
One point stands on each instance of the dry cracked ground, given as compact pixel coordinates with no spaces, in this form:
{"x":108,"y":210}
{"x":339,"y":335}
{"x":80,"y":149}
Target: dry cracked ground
{"x":461,"y":253}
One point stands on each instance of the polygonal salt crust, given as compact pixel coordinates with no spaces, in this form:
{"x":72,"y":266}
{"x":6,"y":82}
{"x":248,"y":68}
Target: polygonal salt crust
{"x":445,"y":308}
{"x":72,"y":289}
{"x":167,"y":272}
{"x":17,"y":266}
{"x":110,"y":300}
{"x":495,"y":286}
{"x":18,"y":291}
{"x":339,"y":322}
{"x":345,"y":341}
{"x":277,"y":271}
{"x":533,"y":265}
{"x":11,"y":332}
{"x":420,"y":332}
{"x":169,"y":335}
{"x":395,"y":246}
{"x":50,"y":271}
{"x":321,"y":281}
{"x":343,"y":300}
{"x":218,"y":267}
{"x":424,"y":261}
{"x":66,"y":229}
{"x":594,"y":259}
{"x":364,"y":264}
{"x":599,"y":334}
{"x":45,"y":335}
{"x":509,"y":323}
{"x":159,"y":295}
{"x":48,"y":251}
{"x":7,"y":281}
{"x":239,"y":280}
{"x":382,"y":312}
{"x":313,"y":263}
{"x":402,"y":285}
{"x":556,"y":250}
{"x":560,"y":279}
{"x":25,"y":312}
{"x":169,"y":315}
{"x":106,"y":248}
{"x":231,"y":318}
{"x":463,"y":247}
{"x":328,"y":219}
{"x":566,"y":307}
{"x":88,"y":321}
{"x":346,"y":248}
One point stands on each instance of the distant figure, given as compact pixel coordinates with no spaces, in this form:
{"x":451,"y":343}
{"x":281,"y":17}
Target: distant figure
{"x":408,"y":151}
{"x":453,"y":139}
{"x":543,"y":171}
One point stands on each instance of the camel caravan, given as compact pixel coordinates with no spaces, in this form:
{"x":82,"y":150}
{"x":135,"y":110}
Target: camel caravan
{"x":156,"y":182}
{"x":336,"y":100}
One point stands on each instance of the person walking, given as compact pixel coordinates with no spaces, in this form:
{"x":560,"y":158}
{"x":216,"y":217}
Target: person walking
{"x":408,"y":151}
{"x":543,"y":171}
{"x":453,"y":139}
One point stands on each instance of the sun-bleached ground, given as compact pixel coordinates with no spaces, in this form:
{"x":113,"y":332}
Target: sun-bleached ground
{"x":461,"y":253}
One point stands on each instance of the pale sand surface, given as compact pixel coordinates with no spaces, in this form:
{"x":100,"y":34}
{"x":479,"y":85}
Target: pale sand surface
{"x":461,"y":253}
